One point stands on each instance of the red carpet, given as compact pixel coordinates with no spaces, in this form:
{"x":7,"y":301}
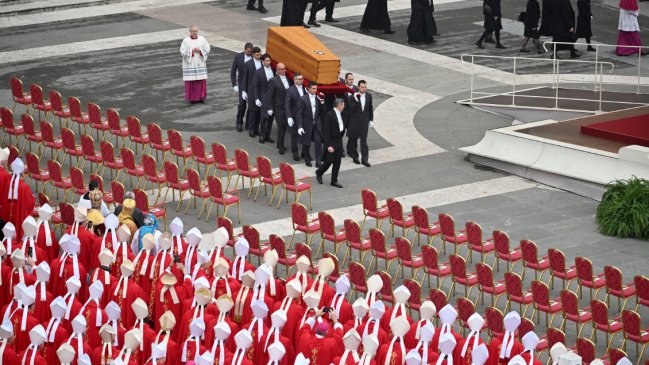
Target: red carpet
{"x":630,"y":130}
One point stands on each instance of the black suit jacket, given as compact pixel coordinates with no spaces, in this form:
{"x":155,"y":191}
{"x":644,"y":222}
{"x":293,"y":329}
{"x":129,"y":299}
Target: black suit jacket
{"x":290,"y":105}
{"x":237,"y":65}
{"x":275,"y":99}
{"x":249,"y":70}
{"x":260,"y":85}
{"x":359,"y":118}
{"x":331,"y":134}
{"x":307,"y":120}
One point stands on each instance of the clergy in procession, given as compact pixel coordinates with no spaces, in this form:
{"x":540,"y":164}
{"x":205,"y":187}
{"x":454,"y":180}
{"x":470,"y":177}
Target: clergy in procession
{"x":33,"y":355}
{"x":20,"y":274}
{"x":64,"y":355}
{"x":143,"y":261}
{"x":224,"y":304}
{"x":72,"y":303}
{"x":43,"y":296}
{"x":274,"y":335}
{"x":67,"y":266}
{"x":23,"y":318}
{"x":372,"y":325}
{"x":190,"y":254}
{"x":158,"y":355}
{"x":77,"y":339}
{"x":243,"y":340}
{"x":161,"y":261}
{"x":104,"y":275}
{"x":178,"y":242}
{"x":242,"y":313}
{"x":424,"y":348}
{"x":401,"y":296}
{"x":9,"y":242}
{"x":16,"y":198}
{"x":85,"y":236}
{"x":311,"y":302}
{"x":506,"y":346}
{"x":8,"y":354}
{"x":480,"y":355}
{"x":394,"y":353}
{"x":204,"y":308}
{"x":126,"y":292}
{"x":360,"y":309}
{"x":370,"y":346}
{"x":142,"y":324}
{"x":30,"y":230}
{"x":303,"y":264}
{"x":320,"y":286}
{"x":114,"y":314}
{"x":530,"y":341}
{"x":257,"y":328}
{"x":130,"y":353}
{"x":294,"y":311}
{"x":46,"y":237}
{"x":220,"y":349}
{"x":447,"y":345}
{"x":339,"y":303}
{"x":94,"y":314}
{"x":276,"y":288}
{"x":223,"y":283}
{"x":55,"y":333}
{"x":168,"y":296}
{"x":122,"y":249}
{"x":194,"y":345}
{"x":427,"y":311}
{"x":166,"y":336}
{"x":465,"y":347}
{"x":350,"y":356}
{"x":103,"y":354}
{"x":239,"y":264}
{"x":260,"y":291}
{"x":107,"y":240}
{"x":320,"y":346}
{"x":276,"y":354}
{"x":447,"y":316}
{"x":194,"y":51}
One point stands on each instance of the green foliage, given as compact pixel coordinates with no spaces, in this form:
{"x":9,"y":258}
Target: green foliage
{"x":624,"y":210}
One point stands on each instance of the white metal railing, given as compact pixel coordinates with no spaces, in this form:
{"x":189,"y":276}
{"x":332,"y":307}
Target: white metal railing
{"x":598,"y":82}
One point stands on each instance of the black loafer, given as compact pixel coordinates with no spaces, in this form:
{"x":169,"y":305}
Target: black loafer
{"x":313,"y":23}
{"x":239,"y":128}
{"x":356,"y":161}
{"x":251,"y":7}
{"x":263,"y":10}
{"x":331,"y":20}
{"x":336,"y":184}
{"x":366,"y":164}
{"x":318,"y":178}
{"x":270,"y":140}
{"x":262,"y":140}
{"x":308,"y":163}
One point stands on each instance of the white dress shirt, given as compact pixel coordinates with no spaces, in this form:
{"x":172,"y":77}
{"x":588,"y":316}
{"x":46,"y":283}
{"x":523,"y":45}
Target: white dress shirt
{"x":246,"y":58}
{"x":257,"y":64}
{"x":300,"y":90}
{"x":284,"y":81}
{"x":269,"y":73}
{"x":341,"y":126}
{"x":312,"y":99}
{"x":363,"y":101}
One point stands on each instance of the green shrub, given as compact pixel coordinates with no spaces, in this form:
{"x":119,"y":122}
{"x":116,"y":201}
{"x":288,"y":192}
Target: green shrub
{"x":624,"y":210}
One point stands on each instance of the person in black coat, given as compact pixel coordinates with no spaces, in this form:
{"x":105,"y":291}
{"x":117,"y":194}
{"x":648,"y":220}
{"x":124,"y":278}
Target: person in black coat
{"x":274,"y":104}
{"x":309,"y":129}
{"x":293,"y":95}
{"x":532,"y":16}
{"x":492,"y":22}
{"x":422,"y":25}
{"x":236,"y":77}
{"x":547,"y":12}
{"x":333,"y":129}
{"x":318,"y":5}
{"x":376,"y":16}
{"x":361,"y":116}
{"x":563,"y":27}
{"x":584,"y":17}
{"x":250,"y":68}
{"x":293,"y":13}
{"x":260,"y":86}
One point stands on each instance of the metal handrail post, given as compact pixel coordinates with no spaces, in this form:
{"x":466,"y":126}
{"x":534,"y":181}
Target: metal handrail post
{"x":596,"y":59}
{"x":639,"y":66}
{"x":556,"y":93}
{"x":472,"y":75}
{"x":514,"y":85}
{"x":601,"y":88}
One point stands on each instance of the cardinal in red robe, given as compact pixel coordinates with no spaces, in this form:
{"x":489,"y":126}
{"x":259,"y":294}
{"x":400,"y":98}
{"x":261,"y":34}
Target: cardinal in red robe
{"x":178,"y":242}
{"x":278,"y":319}
{"x":193,"y":346}
{"x":394,"y":353}
{"x":244,"y":340}
{"x":18,"y":275}
{"x":276,"y":288}
{"x":143,"y":261}
{"x":126,"y":292}
{"x":168,"y":296}
{"x":350,"y":356}
{"x":257,"y":328}
{"x":318,"y":347}
{"x":530,"y":341}
{"x":122,"y":249}
{"x":16,"y":198}
{"x":141,"y":312}
{"x":427,"y":354}
{"x":55,"y":333}
{"x":7,"y":352}
{"x":220,"y":349}
{"x":33,"y":354}
{"x":189,"y":257}
{"x":294,"y":311}
{"x":372,"y":326}
{"x":86,"y":237}
{"x":426,"y":313}
{"x":46,"y":237}
{"x":203,"y":309}
{"x":23,"y":318}
{"x":94,"y":314}
{"x":463,"y":351}
{"x":43,"y":296}
{"x":242,"y":313}
{"x":223,"y":283}
{"x":107,"y":240}
{"x":447,"y":316}
{"x":240,"y":265}
{"x":107,"y":351}
{"x":77,"y":339}
{"x":67,"y":266}
{"x":224,"y":305}
{"x":167,"y":323}
{"x":504,"y":347}
{"x":33,"y":252}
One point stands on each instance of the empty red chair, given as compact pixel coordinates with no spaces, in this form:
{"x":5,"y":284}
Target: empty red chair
{"x":329,"y":233}
{"x":449,"y":234}
{"x":543,"y":303}
{"x":586,"y":349}
{"x":77,"y":115}
{"x":110,"y":161}
{"x":119,"y":131}
{"x":156,"y":141}
{"x":494,"y":322}
{"x":142,"y":202}
{"x":246,"y":171}
{"x":301,"y":223}
{"x":615,"y":286}
{"x":357,"y":277}
{"x":355,"y":242}
{"x":439,"y":298}
{"x":131,"y":167}
{"x":503,"y":251}
{"x":67,"y":215}
{"x":381,"y":250}
{"x":277,"y":243}
{"x":395,"y":210}
{"x":371,"y":208}
{"x":267,"y":177}
{"x":571,"y":311}
{"x":76,"y":177}
{"x":116,"y":192}
{"x":515,"y":293}
{"x":34,"y":169}
{"x":71,"y":146}
{"x":641,"y":284}
{"x":407,"y":259}
{"x":292,"y":184}
{"x":177,"y":148}
{"x":31,"y":134}
{"x":198,"y":190}
{"x":13,"y":154}
{"x":89,"y":153}
{"x":10,"y":127}
{"x":487,"y":285}
{"x":135,"y":133}
{"x":414,"y":302}
{"x":554,"y":336}
{"x":476,"y":243}
{"x":432,"y":265}
{"x":18,"y":95}
{"x":422,"y":225}
{"x":199,"y":155}
{"x":152,"y":175}
{"x":460,"y":276}
{"x":251,"y":234}
{"x":38,"y":101}
{"x":61,"y":110}
{"x":465,"y":309}
{"x":601,"y":322}
{"x":96,"y":121}
{"x":632,"y":332}
{"x":558,"y":268}
{"x":53,"y":143}
{"x":531,"y":260}
{"x":586,"y":277}
{"x":174,"y":182}
{"x":58,"y":180}
{"x":386,"y":292}
{"x":223,"y":163}
{"x":226,"y":199}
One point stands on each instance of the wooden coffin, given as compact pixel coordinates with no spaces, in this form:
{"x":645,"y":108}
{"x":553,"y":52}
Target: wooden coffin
{"x":302,"y":52}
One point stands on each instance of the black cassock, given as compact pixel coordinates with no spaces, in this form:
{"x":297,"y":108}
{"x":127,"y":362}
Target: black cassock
{"x":422,"y":25}
{"x":546,"y":18}
{"x":293,"y":12}
{"x":376,"y":15}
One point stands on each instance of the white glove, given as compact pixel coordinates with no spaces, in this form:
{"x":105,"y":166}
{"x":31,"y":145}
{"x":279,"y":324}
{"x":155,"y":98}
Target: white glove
{"x":371,"y":124}
{"x":270,"y":113}
{"x":258,"y":103}
{"x":300,"y":131}
{"x":244,"y":95}
{"x":236,"y":88}
{"x":290,"y":122}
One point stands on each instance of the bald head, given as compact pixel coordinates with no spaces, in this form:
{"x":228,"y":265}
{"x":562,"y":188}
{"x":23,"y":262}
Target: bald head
{"x":281,"y":69}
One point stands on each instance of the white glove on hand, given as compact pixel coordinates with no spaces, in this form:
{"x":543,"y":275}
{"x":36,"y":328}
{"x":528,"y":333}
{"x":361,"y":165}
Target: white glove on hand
{"x":290,"y":122}
{"x":270,"y":113}
{"x":258,"y":103}
{"x":300,"y":132}
{"x":371,"y":124}
{"x":244,"y":95}
{"x":236,"y":88}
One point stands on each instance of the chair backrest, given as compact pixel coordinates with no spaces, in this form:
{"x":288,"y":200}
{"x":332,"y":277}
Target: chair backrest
{"x":107,"y":151}
{"x":395,"y":209}
{"x":569,"y":302}
{"x":420,"y":216}
{"x":134,"y":126}
{"x":215,"y":187}
{"x":88,"y":145}
{"x":465,"y":309}
{"x":327,"y":224}
{"x":141,"y":200}
{"x":67,"y":136}
{"x":220,"y":153}
{"x":47,"y":132}
{"x":75,"y":106}
{"x":67,"y":213}
{"x":404,"y":249}
{"x":352,"y":231}
{"x":99,"y":180}
{"x":33,"y":163}
{"x":226,"y":223}
{"x":641,"y":284}
{"x":613,"y":278}
{"x":13,"y":154}
{"x":288,"y":173}
{"x":631,"y":322}
{"x":94,"y":114}
{"x":438,"y":297}
{"x":251,"y":234}
{"x":386,"y":290}
{"x":557,"y":260}
{"x":513,"y":284}
{"x":175,"y":140}
{"x":28,"y":124}
{"x":540,"y":293}
{"x":149,"y":165}
{"x":7,"y":117}
{"x":113,"y":120}
{"x":446,"y":224}
{"x":37,"y":94}
{"x":303,"y":250}
{"x":277,"y":243}
{"x":117,"y":188}
{"x":525,"y":327}
{"x":473,"y":234}
{"x":415,"y":291}
{"x":54,"y":169}
{"x":370,"y":202}
{"x":485,"y":275}
{"x":599,"y":310}
{"x":299,"y":214}
{"x":554,"y":336}
{"x":171,"y":172}
{"x":458,"y":266}
{"x":357,"y":275}
{"x":241,"y":158}
{"x":501,"y":242}
{"x":128,"y":158}
{"x":197,"y":145}
{"x":155,"y":133}
{"x":43,"y":199}
{"x":530,"y":253}
{"x":56,"y":101}
{"x":586,"y":349}
{"x":430,"y":256}
{"x":584,"y":269}
{"x":377,"y":240}
{"x":76,"y":177}
{"x":264,"y":166}
{"x":16,"y":87}
{"x":615,"y":355}
{"x":194,"y":180}
{"x":494,"y":319}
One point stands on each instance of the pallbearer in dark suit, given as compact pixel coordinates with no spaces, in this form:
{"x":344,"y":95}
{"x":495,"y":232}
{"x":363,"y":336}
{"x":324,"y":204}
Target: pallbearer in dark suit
{"x":250,"y":68}
{"x":333,"y":129}
{"x":274,"y":105}
{"x":361,"y":115}
{"x":308,"y":123}
{"x":260,"y":86}
{"x":236,"y":77}
{"x":293,"y":96}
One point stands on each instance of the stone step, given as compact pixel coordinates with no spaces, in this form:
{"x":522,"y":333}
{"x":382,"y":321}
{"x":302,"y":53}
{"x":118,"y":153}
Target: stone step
{"x":22,"y":7}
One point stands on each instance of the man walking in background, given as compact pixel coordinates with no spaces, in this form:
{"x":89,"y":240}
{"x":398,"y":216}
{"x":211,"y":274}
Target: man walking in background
{"x":236,"y":77}
{"x":333,"y":129}
{"x":361,"y":115}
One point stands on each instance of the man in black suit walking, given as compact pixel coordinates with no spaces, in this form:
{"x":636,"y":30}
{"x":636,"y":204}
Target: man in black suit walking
{"x":308,"y":123}
{"x":260,"y":86}
{"x":275,"y":101}
{"x":333,"y":130}
{"x":293,"y":95}
{"x":236,"y":77}
{"x":361,"y":114}
{"x":250,"y":68}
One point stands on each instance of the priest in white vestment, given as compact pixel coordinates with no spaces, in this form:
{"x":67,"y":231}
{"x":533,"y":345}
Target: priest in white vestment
{"x":194,"y":51}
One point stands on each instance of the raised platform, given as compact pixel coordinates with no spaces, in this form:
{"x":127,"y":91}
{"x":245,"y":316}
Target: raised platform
{"x":631,"y":130}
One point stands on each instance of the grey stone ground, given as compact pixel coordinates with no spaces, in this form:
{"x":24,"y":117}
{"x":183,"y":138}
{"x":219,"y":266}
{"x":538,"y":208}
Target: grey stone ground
{"x":145,"y":81}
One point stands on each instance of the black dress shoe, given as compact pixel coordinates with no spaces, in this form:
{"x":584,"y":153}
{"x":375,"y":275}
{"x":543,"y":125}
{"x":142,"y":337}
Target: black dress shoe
{"x":318,"y":164}
{"x":251,"y":7}
{"x":239,"y":128}
{"x":489,"y":40}
{"x":308,"y":163}
{"x":314,"y":23}
{"x":500,"y":46}
{"x":263,"y":10}
{"x":590,"y":49}
{"x":336,"y":184}
{"x":575,"y":54}
{"x":282,"y":151}
{"x":430,"y":41}
{"x":331,"y":20}
{"x":306,"y":25}
{"x":388,"y":31}
{"x":364,"y":30}
{"x":251,"y":134}
{"x":262,"y":140}
{"x":318,"y":178}
{"x":413,"y":43}
{"x":366,"y":164}
{"x":270,"y":140}
{"x":479,"y":45}
{"x":296,"y":157}
{"x":343,"y":155}
{"x":356,"y":161}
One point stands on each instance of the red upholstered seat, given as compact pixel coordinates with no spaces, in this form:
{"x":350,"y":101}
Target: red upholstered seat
{"x":355,"y":242}
{"x":422,"y":225}
{"x":449,"y":234}
{"x":19,"y":96}
{"x":430,"y":257}
{"x":226,"y":199}
{"x":292,"y":184}
{"x":381,"y":250}
{"x":372,"y":209}
{"x":395,"y":211}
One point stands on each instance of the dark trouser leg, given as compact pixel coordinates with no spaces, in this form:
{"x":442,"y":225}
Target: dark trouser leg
{"x":241,"y":110}
{"x":251,"y":2}
{"x":294,"y":143}
{"x":329,"y":12}
{"x":364,"y":149}
{"x":336,"y":165}
{"x":317,"y":144}
{"x":328,"y":159}
{"x":352,"y":144}
{"x":483,"y":36}
{"x":281,"y":131}
{"x":306,"y":152}
{"x":265,"y":126}
{"x":253,"y":123}
{"x":316,"y":6}
{"x":497,"y":35}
